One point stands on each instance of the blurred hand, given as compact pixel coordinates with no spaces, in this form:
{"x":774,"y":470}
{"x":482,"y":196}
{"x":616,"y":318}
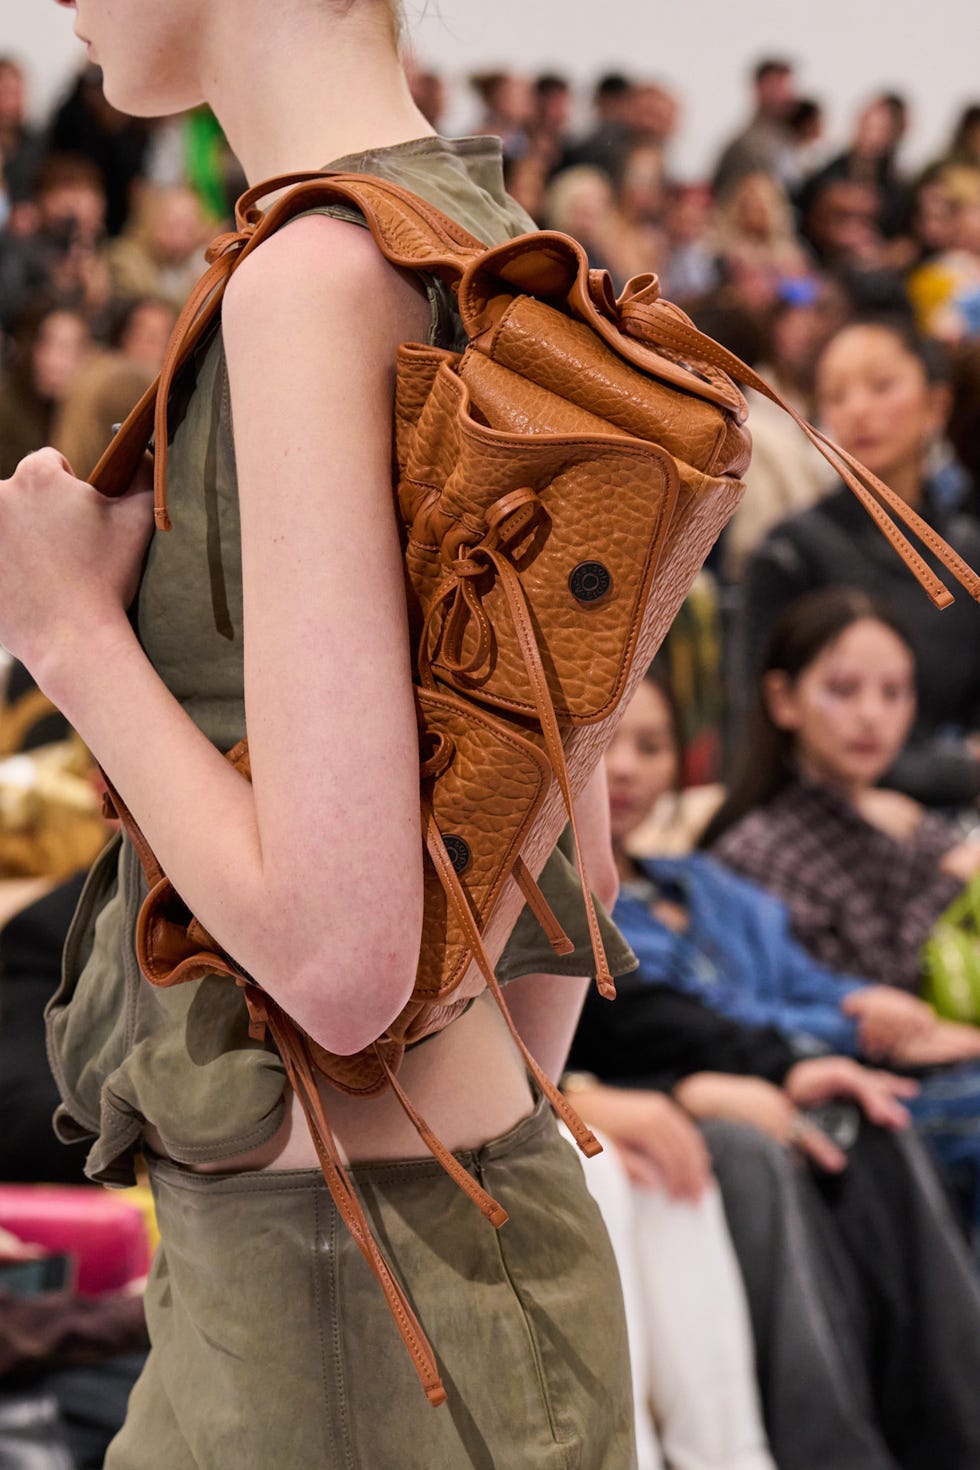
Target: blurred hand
{"x":947,"y":1042}
{"x":659,"y":1145}
{"x":763,"y":1105}
{"x":878,"y":1094}
{"x":887,"y":1018}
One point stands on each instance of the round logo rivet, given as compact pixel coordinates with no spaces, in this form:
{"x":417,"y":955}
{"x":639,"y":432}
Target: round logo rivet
{"x":459,"y":853}
{"x":589,"y":581}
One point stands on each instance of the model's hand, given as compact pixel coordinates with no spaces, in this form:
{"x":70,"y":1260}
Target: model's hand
{"x":887,"y":1018}
{"x":70,"y":558}
{"x":766,"y":1107}
{"x":657,"y":1142}
{"x":879,"y":1094}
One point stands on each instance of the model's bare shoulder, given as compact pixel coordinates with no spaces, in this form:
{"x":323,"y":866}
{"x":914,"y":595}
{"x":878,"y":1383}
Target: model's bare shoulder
{"x":317,"y":269}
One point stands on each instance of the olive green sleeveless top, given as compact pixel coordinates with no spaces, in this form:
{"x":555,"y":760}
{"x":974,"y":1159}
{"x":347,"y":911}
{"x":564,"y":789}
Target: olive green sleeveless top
{"x":124,"y":1052}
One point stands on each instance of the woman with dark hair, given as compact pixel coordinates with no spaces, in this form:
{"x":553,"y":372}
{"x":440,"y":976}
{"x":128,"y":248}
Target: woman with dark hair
{"x":49,"y":346}
{"x":280,"y":592}
{"x":883,"y":394}
{"x":866,"y":870}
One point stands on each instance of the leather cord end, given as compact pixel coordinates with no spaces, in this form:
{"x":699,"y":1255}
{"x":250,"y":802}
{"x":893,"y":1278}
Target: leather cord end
{"x":161,"y":518}
{"x":436,"y":1394}
{"x":606,"y":986}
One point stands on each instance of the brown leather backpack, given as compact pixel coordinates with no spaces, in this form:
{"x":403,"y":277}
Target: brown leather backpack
{"x":559,"y":484}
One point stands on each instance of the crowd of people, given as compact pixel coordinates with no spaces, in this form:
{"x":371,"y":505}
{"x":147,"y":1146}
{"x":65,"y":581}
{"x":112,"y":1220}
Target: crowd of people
{"x":789,"y":1083}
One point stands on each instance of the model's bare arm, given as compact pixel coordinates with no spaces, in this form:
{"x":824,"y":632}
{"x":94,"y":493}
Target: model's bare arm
{"x":312,"y":877}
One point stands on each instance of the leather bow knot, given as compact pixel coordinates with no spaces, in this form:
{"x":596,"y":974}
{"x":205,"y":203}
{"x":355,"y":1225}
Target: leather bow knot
{"x":475,"y":545}
{"x":229,"y":243}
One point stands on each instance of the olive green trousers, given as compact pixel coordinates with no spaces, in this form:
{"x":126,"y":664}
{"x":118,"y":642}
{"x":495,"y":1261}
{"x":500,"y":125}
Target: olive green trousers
{"x":273,"y":1347}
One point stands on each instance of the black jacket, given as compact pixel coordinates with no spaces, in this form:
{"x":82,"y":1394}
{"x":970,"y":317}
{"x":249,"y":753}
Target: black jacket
{"x":653,"y":1036}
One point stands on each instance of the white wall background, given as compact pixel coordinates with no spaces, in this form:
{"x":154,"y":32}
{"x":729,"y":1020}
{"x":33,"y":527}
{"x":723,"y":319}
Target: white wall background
{"x":927,"y":49}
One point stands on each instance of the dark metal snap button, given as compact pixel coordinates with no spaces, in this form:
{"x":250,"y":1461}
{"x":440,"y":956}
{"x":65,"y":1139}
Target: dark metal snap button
{"x":458,"y":850}
{"x":589,"y":581}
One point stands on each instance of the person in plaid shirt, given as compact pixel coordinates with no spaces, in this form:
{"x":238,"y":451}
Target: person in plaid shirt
{"x":864,"y":871}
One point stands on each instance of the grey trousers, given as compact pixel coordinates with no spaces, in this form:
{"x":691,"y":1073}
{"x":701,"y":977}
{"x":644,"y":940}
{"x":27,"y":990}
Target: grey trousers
{"x":272,"y":1344}
{"x":864,"y":1304}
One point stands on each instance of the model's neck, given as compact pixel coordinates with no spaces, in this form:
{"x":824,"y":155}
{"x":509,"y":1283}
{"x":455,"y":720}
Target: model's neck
{"x":303,"y":94}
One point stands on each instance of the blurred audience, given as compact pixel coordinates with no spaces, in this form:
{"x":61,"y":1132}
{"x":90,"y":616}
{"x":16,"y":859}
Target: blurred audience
{"x":48,"y":347}
{"x":766,"y":144}
{"x":883,"y":394}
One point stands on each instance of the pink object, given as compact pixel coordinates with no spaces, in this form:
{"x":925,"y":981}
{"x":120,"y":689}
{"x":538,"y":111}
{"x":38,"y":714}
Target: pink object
{"x":106,"y":1236}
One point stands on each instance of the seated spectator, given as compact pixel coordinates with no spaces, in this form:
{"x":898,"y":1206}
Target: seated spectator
{"x":580,"y":201}
{"x":805,"y":124}
{"x":605,"y":146}
{"x":840,"y":225}
{"x":691,"y":1350}
{"x":787,"y":474}
{"x":49,"y":347}
{"x":692,"y":267}
{"x":112,"y":381}
{"x":87,"y":125}
{"x":864,"y":872}
{"x":507,"y":102}
{"x":548,"y":132}
{"x":754,"y":223}
{"x":161,"y":250}
{"x":643,"y":202}
{"x":654,"y":112}
{"x":860,"y":1208}
{"x":945,"y":287}
{"x":871,"y":158}
{"x":54,"y":250}
{"x":21,"y":145}
{"x":884,"y":396}
{"x":765,"y":145}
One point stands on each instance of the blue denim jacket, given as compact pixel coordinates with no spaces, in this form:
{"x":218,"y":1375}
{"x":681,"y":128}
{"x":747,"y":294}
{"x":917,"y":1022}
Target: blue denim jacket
{"x":738,"y":954}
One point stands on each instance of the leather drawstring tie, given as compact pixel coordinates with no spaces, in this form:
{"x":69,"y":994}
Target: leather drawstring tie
{"x":505,"y":522}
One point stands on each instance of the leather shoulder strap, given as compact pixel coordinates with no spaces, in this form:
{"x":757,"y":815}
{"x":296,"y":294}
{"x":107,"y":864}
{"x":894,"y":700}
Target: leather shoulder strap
{"x":409,"y":232}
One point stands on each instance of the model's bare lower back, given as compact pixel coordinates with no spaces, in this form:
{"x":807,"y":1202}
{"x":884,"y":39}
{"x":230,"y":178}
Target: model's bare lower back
{"x":468,"y":1083}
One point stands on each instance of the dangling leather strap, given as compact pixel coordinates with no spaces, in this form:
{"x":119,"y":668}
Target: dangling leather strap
{"x":436,"y":848}
{"x":484,"y":1202}
{"x":292,"y":1047}
{"x":661,"y":324}
{"x":541,"y":909}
